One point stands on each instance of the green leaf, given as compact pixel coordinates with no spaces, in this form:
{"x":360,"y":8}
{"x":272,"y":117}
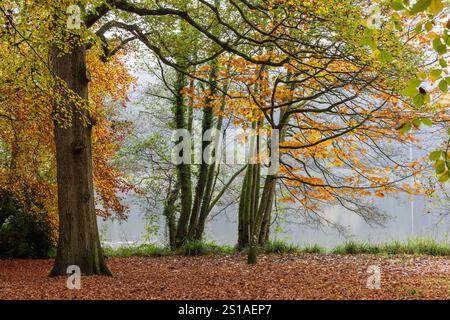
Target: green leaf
{"x":435,"y":155}
{"x":418,"y":28}
{"x":410,"y":92}
{"x":416,"y":123}
{"x":443,"y":85}
{"x":427,"y":122}
{"x":446,"y":38}
{"x":428,"y":26}
{"x":419,"y":100}
{"x":405,"y":127}
{"x":435,"y":74}
{"x":398,"y":26}
{"x":420,"y":5}
{"x":444,"y":178}
{"x":397,"y":5}
{"x":385,"y":56}
{"x":439,"y":46}
{"x":440,"y":166}
{"x":414,"y":83}
{"x":422,"y":75}
{"x":442,"y":62}
{"x":411,"y":88}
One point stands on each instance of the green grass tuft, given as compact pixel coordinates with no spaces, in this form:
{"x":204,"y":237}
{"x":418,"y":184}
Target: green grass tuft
{"x":201,"y":248}
{"x":315,"y":249}
{"x":412,"y":247}
{"x":279,"y":247}
{"x":143,"y":250}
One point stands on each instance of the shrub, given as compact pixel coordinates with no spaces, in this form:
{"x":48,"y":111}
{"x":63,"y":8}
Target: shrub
{"x":24,"y":234}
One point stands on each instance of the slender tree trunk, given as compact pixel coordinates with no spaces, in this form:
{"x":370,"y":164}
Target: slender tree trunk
{"x":243,"y":221}
{"x":240,"y":241}
{"x":254,"y":213}
{"x":183,"y":169}
{"x":169,"y":212}
{"x":253,"y":241}
{"x":204,"y":209}
{"x":190,"y":109}
{"x":79,"y":242}
{"x":267,"y":204}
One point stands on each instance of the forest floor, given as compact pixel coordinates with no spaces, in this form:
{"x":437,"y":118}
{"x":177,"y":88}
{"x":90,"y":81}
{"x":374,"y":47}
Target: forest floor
{"x":276,"y":276}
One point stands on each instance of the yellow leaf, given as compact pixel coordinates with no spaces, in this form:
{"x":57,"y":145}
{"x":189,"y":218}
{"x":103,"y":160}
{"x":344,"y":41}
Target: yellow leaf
{"x":436,"y":6}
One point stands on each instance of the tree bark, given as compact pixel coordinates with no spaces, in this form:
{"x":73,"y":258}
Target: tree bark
{"x":205,"y":177}
{"x":79,"y":242}
{"x":202,"y":176}
{"x":169,"y":213}
{"x":183,"y":169}
{"x":243,"y":223}
{"x":267,"y":203}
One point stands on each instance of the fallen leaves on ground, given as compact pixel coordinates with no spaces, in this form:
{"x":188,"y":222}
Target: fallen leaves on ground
{"x":289,"y":276}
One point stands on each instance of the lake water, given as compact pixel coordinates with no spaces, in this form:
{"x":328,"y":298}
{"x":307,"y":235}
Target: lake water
{"x":408,"y":219}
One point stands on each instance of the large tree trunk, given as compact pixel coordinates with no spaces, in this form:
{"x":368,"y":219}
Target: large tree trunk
{"x":79,"y":242}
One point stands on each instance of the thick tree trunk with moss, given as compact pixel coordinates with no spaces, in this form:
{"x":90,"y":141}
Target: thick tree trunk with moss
{"x":207,"y":124}
{"x":212,"y":172}
{"x":79,"y":242}
{"x":206,"y":201}
{"x":206,"y":172}
{"x":183,"y":169}
{"x":248,"y":205}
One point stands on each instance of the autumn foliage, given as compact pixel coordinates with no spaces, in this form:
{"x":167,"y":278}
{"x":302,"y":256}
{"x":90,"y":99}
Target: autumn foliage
{"x":27,"y":168}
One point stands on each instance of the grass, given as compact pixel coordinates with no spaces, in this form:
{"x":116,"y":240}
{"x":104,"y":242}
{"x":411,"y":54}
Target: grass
{"x":143,"y":250}
{"x":279,"y":247}
{"x":193,"y":248}
{"x":202,"y":248}
{"x":314,"y":249}
{"x":411,"y":247}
